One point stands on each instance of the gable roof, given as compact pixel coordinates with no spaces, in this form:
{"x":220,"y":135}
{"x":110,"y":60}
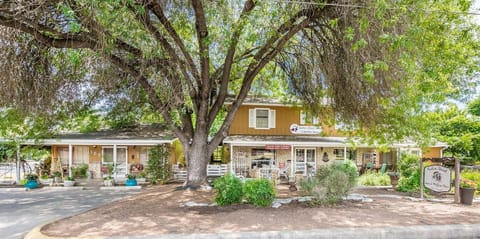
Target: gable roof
{"x":138,"y":135}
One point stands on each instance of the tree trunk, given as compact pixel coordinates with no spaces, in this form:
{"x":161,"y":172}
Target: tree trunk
{"x":197,"y":160}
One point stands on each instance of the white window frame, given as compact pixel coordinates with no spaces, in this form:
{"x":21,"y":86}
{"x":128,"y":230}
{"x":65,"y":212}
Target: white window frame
{"x":116,"y":161}
{"x":308,"y":118}
{"x":252,"y":118}
{"x":339,"y":153}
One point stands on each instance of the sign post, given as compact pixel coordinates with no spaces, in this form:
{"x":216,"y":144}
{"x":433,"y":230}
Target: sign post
{"x":439,"y":178}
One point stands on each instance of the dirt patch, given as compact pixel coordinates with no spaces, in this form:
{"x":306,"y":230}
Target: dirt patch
{"x":158,"y":210}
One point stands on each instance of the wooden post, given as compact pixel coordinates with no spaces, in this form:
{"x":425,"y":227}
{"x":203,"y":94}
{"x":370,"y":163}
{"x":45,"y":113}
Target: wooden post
{"x":457,"y":181}
{"x":421,"y":178}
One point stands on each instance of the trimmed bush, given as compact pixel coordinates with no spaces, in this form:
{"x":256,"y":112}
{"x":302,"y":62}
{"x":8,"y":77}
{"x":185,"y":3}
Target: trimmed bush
{"x":331,"y":182}
{"x":228,"y":190}
{"x":374,"y":179}
{"x":259,"y":192}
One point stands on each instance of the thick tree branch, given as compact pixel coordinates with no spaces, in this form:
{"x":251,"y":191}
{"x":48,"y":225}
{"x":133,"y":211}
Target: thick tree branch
{"x":202,"y":38}
{"x":158,"y":11}
{"x":229,"y":60}
{"x":144,"y":19}
{"x":265,"y":55}
{"x":73,"y":41}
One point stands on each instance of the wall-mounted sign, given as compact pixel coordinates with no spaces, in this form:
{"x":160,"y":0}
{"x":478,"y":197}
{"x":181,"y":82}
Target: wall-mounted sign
{"x":278,"y":146}
{"x":437,"y":178}
{"x":303,"y":129}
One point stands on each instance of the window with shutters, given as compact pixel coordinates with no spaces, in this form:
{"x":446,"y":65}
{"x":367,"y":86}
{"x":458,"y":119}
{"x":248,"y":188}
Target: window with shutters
{"x":260,"y":118}
{"x":308,"y":118}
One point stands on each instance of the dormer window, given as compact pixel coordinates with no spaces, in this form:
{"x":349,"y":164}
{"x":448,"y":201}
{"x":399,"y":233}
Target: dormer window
{"x":261,"y":118}
{"x":307,"y":117}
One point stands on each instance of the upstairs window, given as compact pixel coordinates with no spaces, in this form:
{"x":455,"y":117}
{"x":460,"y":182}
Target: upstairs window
{"x":261,"y":118}
{"x":307,"y":117}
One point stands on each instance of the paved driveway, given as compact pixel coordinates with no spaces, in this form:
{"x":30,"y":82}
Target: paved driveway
{"x":20,"y":211}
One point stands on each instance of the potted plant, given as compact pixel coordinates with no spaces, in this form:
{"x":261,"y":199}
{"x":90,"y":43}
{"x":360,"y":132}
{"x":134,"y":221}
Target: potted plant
{"x":467,"y":191}
{"x":46,"y":179}
{"x":108,"y":181}
{"x":394,"y":176}
{"x":131,"y":180}
{"x":31,"y":181}
{"x":69,"y":182}
{"x":142,"y":177}
{"x":57,"y":177}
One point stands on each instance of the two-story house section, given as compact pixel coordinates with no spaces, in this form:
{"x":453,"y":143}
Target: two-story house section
{"x":276,"y":140}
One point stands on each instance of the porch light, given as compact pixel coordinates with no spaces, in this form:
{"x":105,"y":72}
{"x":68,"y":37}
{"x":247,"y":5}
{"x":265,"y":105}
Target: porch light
{"x":325,"y":157}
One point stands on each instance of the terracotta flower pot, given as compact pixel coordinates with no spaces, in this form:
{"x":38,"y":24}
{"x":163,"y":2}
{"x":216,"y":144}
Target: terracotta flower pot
{"x":394,"y":179}
{"x":466,"y":195}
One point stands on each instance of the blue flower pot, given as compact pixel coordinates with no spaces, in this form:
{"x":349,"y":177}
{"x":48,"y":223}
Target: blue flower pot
{"x":131,"y":182}
{"x":31,"y":184}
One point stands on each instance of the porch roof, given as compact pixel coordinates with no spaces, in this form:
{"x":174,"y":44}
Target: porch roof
{"x":261,"y":140}
{"x":312,"y":141}
{"x":138,"y":135}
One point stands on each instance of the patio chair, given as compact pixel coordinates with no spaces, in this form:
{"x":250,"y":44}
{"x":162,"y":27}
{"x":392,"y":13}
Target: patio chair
{"x":383,"y":169}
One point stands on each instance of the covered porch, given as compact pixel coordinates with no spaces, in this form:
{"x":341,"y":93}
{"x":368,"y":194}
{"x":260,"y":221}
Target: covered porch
{"x":284,"y":158}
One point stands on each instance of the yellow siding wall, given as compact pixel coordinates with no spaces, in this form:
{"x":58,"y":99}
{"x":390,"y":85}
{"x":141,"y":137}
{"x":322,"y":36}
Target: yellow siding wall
{"x":432,"y":152}
{"x":285,"y":117}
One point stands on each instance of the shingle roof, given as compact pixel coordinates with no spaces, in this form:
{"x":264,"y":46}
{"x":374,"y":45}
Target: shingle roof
{"x":153,"y":131}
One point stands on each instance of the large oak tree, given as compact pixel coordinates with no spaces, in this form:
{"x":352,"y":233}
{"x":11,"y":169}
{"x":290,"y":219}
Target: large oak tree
{"x":378,"y":60}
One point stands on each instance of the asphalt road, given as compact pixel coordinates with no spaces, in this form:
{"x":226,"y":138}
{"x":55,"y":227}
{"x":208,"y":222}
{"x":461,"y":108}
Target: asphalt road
{"x":21,"y":211}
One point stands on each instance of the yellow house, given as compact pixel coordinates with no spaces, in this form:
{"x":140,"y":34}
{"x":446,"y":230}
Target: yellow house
{"x":124,"y":151}
{"x":268,"y":138}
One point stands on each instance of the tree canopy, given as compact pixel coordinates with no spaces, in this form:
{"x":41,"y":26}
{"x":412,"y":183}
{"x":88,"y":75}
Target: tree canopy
{"x":379,"y":61}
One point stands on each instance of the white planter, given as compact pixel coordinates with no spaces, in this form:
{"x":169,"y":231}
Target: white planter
{"x":46,"y":181}
{"x":108,"y":182}
{"x":141,"y":180}
{"x":68,"y":183}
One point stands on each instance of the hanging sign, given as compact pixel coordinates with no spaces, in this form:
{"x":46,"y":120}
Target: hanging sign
{"x":437,"y":178}
{"x":303,"y":129}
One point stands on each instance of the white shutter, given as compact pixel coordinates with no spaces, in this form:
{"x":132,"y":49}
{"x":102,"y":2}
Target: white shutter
{"x":271,"y":119}
{"x":252,"y":118}
{"x":302,"y":117}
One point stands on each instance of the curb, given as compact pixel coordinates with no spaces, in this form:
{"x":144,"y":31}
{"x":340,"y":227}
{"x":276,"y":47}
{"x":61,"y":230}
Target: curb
{"x":36,"y":233}
{"x":418,"y":232}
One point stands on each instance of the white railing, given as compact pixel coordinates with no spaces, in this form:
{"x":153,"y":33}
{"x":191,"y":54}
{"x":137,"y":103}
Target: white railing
{"x":217,"y":170}
{"x":213,"y":170}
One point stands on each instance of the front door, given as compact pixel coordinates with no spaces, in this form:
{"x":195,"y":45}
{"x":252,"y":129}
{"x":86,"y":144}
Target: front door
{"x":300,"y":165}
{"x":305,"y":161}
{"x":118,"y":164}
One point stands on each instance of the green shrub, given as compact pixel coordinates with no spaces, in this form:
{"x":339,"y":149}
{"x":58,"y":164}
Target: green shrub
{"x":80,"y":171}
{"x":409,"y":167}
{"x":228,"y":190}
{"x":331,"y":182}
{"x":471,"y":175}
{"x":409,"y":184}
{"x":259,"y":192}
{"x":374,"y":179}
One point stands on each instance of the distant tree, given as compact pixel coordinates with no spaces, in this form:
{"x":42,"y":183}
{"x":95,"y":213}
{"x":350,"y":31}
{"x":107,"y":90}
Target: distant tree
{"x":460,"y":130}
{"x":378,"y":60}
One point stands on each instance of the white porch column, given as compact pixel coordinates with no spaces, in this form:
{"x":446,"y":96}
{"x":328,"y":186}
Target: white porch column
{"x":70,"y":159}
{"x":292,"y":163}
{"x":18,"y":165}
{"x":114,"y":161}
{"x":345,"y":154}
{"x":232,"y":171}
